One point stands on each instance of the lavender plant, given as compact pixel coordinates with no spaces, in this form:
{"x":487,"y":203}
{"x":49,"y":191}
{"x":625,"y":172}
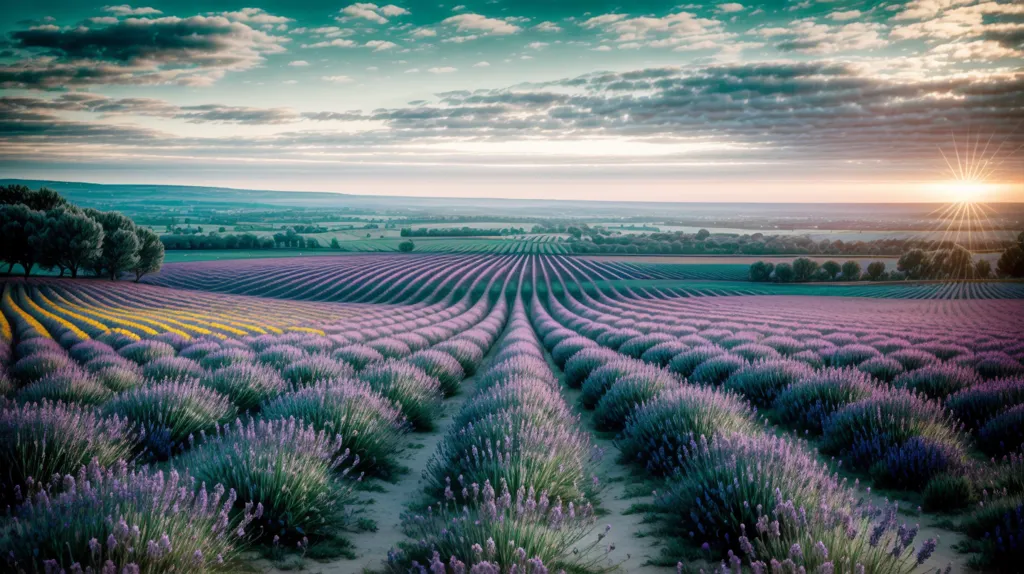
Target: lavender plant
{"x":806,"y":404}
{"x":416,"y":393}
{"x":247,"y":385}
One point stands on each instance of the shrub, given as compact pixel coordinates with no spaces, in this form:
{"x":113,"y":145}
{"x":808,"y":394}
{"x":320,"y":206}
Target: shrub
{"x":1003,"y":434}
{"x":305,"y":372}
{"x":119,"y":378}
{"x":938,"y":381}
{"x":467,"y":354}
{"x":884,"y":369}
{"x":146,"y":350}
{"x":785,"y":345}
{"x":626,"y":394}
{"x":503,"y":447}
{"x":997,"y":530}
{"x":519,"y":365}
{"x":806,"y":404}
{"x":226,"y":357}
{"x":637,"y":346}
{"x":656,"y":433}
{"x":416,"y":393}
{"x":565,"y":349}
{"x":370,"y":426}
{"x":359,"y":356}
{"x":761,"y":382}
{"x":602,"y":378}
{"x":280,"y":356}
{"x":390,"y":348}
{"x":535,"y":398}
{"x":88,"y":350}
{"x":995,"y":364}
{"x":486,"y":532}
{"x":944,"y":351}
{"x":36,"y":346}
{"x":245,"y":384}
{"x":293,"y":471}
{"x":69,"y":385}
{"x":716,"y":370}
{"x":616,"y":337}
{"x":723,"y":482}
{"x":40,"y":440}
{"x":974,"y":406}
{"x":660,"y":354}
{"x":199,"y":350}
{"x":129,"y":521}
{"x":170,"y":368}
{"x":34,"y":367}
{"x":875,"y":434}
{"x":913,"y":359}
{"x":853,"y":355}
{"x":948,"y":492}
{"x":810,"y":358}
{"x":171,"y":412}
{"x":580,"y":365}
{"x":441,"y":366}
{"x":116,"y":340}
{"x":684,"y":363}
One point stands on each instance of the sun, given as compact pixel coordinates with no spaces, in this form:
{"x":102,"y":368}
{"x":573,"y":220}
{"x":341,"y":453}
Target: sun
{"x":964,"y":190}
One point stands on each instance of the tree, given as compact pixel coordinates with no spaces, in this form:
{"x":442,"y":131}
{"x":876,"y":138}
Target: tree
{"x":784,"y":273}
{"x":73,"y":239}
{"x":335,"y":244}
{"x":803,"y":269}
{"x":24,"y":232}
{"x":831,"y":269}
{"x":958,"y":264}
{"x":912,"y":263}
{"x":982,"y":269}
{"x":312,"y":243}
{"x":44,"y":199}
{"x":120,"y":253}
{"x":1011,"y":262}
{"x":150,"y":253}
{"x":703,"y":234}
{"x":876,"y":270}
{"x":13,"y":194}
{"x":406,"y":246}
{"x":761,"y":271}
{"x":851,"y":271}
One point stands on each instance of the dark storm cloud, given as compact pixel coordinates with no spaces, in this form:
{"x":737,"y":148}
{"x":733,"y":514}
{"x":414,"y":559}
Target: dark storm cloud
{"x":191,"y":51}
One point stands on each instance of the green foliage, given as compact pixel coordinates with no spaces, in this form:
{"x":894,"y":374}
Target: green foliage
{"x":406,"y":246}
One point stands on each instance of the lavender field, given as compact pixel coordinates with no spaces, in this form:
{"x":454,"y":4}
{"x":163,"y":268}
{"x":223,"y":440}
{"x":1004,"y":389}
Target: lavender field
{"x":490,"y":413}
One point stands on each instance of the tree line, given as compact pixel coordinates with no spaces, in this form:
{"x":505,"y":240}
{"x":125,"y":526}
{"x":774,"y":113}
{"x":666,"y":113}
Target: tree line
{"x":460,"y":232}
{"x":938,"y":264}
{"x":40,"y":228}
{"x":602,"y":240}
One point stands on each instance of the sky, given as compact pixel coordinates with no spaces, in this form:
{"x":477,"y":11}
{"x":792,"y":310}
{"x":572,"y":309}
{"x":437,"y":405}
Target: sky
{"x":648,"y":100}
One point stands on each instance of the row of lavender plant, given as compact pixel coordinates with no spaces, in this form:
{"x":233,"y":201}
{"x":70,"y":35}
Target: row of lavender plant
{"x":732,"y":487}
{"x":311,"y":422}
{"x":511,"y":478}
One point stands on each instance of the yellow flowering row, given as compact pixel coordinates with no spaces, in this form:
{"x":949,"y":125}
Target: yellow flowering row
{"x":8,"y":303}
{"x":54,"y":308}
{"x":107,"y":317}
{"x":37,"y":310}
{"x":6,"y":335}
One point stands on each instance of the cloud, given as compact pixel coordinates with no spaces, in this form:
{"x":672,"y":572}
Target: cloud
{"x":443,"y":70}
{"x":335,"y":43}
{"x":547,"y":27}
{"x":481,"y":24}
{"x":380,"y":45}
{"x":41,"y":109}
{"x":670,"y":31}
{"x":423,"y":33}
{"x":373,"y":12}
{"x":844,"y":15}
{"x":536,"y":45}
{"x":126,"y":10}
{"x":337,"y":79}
{"x":481,"y":64}
{"x":196,"y":51}
{"x":809,"y":37}
{"x":730,"y":7}
{"x":255,"y":16}
{"x":298,"y":63}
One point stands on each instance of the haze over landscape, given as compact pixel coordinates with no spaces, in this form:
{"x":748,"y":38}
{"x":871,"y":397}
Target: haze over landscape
{"x":644,"y":101}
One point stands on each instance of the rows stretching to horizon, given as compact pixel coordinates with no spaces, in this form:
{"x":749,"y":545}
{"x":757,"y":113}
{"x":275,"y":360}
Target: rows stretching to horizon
{"x":240,"y":405}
